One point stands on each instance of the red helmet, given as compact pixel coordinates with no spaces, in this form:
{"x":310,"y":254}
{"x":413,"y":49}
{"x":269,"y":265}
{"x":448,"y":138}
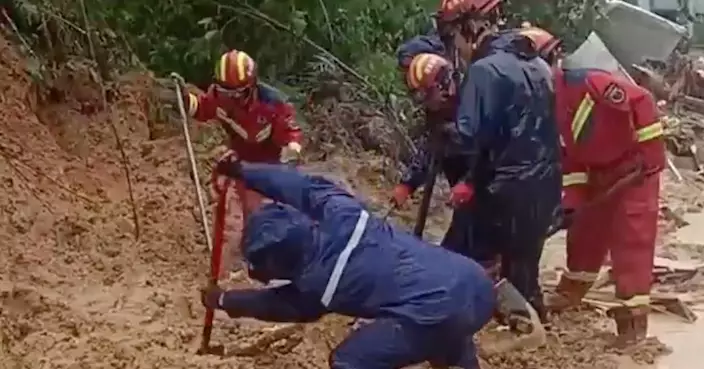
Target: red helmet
{"x":545,"y":43}
{"x":236,"y":69}
{"x":427,"y":71}
{"x":451,"y":10}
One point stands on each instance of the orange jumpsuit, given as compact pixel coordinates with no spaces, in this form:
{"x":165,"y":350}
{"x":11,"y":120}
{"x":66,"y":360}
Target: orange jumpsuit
{"x":609,"y":128}
{"x":258,"y":130}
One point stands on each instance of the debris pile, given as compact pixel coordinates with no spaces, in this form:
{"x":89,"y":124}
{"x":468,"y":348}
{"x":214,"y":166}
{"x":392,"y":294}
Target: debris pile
{"x":577,"y":339}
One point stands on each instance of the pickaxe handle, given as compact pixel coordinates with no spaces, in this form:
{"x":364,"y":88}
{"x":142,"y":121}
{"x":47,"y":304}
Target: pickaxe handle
{"x":214,"y":245}
{"x":215,"y":262}
{"x":192,"y":162}
{"x":620,"y":184}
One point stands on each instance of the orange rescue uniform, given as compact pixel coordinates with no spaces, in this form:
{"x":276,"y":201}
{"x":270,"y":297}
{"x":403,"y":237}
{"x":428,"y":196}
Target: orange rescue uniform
{"x":610,"y":129}
{"x":258,"y":130}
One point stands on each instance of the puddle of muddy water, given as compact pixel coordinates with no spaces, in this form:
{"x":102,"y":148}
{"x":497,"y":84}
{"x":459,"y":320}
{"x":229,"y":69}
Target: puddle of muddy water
{"x":685,"y":339}
{"x":694,"y":232}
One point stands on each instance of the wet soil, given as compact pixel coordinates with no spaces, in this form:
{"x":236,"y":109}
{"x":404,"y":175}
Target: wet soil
{"x":81,"y":288}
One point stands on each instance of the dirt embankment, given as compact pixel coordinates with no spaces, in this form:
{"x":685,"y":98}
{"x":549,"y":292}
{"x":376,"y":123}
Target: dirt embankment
{"x":76,"y":289}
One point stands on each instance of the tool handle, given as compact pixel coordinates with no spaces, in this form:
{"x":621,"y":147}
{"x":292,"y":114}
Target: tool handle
{"x":215,"y":261}
{"x":194,"y":166}
{"x":433,"y":169}
{"x":219,"y":235}
{"x":207,"y":329}
{"x":620,"y":184}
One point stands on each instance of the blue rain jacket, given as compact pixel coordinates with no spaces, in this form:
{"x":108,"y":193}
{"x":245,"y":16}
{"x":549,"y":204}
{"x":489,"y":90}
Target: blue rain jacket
{"x":506,"y":117}
{"x":420,"y":44}
{"x":507,"y":124}
{"x":342,"y":259}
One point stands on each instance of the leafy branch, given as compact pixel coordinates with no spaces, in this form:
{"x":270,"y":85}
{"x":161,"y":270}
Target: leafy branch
{"x":249,"y":11}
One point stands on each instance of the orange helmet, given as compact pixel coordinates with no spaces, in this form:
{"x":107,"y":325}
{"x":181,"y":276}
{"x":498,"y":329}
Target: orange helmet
{"x":451,"y":10}
{"x":236,"y":69}
{"x":428,"y":70}
{"x":545,"y":43}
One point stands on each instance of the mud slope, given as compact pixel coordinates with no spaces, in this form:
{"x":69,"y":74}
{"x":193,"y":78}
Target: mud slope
{"x":76,"y":289}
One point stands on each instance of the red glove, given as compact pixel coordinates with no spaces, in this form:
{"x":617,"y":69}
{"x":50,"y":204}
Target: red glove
{"x":400,"y":194}
{"x":462,"y":193}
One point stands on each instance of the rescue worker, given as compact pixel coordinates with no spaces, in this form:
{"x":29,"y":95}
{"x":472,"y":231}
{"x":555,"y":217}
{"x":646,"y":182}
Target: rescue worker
{"x":426,"y":302}
{"x":431,"y":43}
{"x":548,"y":46}
{"x":506,"y":120}
{"x":261,"y":126}
{"x":429,"y":80}
{"x":613,"y":154}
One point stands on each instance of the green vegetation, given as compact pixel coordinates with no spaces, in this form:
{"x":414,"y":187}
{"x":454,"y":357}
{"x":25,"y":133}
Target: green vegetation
{"x":291,"y":40}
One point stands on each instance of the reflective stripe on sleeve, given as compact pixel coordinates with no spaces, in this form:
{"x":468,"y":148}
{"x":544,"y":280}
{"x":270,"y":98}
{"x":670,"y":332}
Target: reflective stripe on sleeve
{"x":192,"y":104}
{"x":637,"y":300}
{"x":650,"y":132}
{"x":581,"y":116}
{"x":576,"y":178}
{"x":344,"y":257}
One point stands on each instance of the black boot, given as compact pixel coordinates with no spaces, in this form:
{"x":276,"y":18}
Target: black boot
{"x":539,"y":306}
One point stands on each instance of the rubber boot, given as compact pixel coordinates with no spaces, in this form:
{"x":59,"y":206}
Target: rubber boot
{"x":569,"y":293}
{"x":538,"y":303}
{"x":631,"y":325}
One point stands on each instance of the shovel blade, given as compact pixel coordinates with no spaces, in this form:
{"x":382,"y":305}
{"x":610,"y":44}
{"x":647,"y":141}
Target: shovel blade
{"x":509,"y":300}
{"x":526,"y":331}
{"x":217,"y":350}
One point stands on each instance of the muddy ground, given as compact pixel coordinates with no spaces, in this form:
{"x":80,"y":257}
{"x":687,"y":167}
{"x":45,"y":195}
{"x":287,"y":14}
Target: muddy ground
{"x":82,"y":287}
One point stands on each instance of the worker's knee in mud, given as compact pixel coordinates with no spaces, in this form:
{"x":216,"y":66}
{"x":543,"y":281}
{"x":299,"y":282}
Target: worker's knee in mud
{"x":461,"y":353}
{"x":341,"y":359}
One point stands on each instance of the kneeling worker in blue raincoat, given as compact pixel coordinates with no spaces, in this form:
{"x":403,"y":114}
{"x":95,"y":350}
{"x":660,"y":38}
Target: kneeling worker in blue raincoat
{"x":506,"y":120}
{"x":426,"y":302}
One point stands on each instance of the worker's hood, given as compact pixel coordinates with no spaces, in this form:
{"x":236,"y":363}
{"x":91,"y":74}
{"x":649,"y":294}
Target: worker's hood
{"x":277,"y":239}
{"x":508,"y":41}
{"x":430,"y":44}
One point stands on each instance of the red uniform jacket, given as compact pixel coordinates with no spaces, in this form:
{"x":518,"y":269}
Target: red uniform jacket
{"x":257,"y":131}
{"x":607,"y":125}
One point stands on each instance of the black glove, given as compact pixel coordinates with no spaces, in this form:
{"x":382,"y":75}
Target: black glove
{"x":229,"y":165}
{"x":567,"y":218}
{"x":179,"y":80}
{"x":181,"y":83}
{"x":211,"y":296}
{"x":562,"y":220}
